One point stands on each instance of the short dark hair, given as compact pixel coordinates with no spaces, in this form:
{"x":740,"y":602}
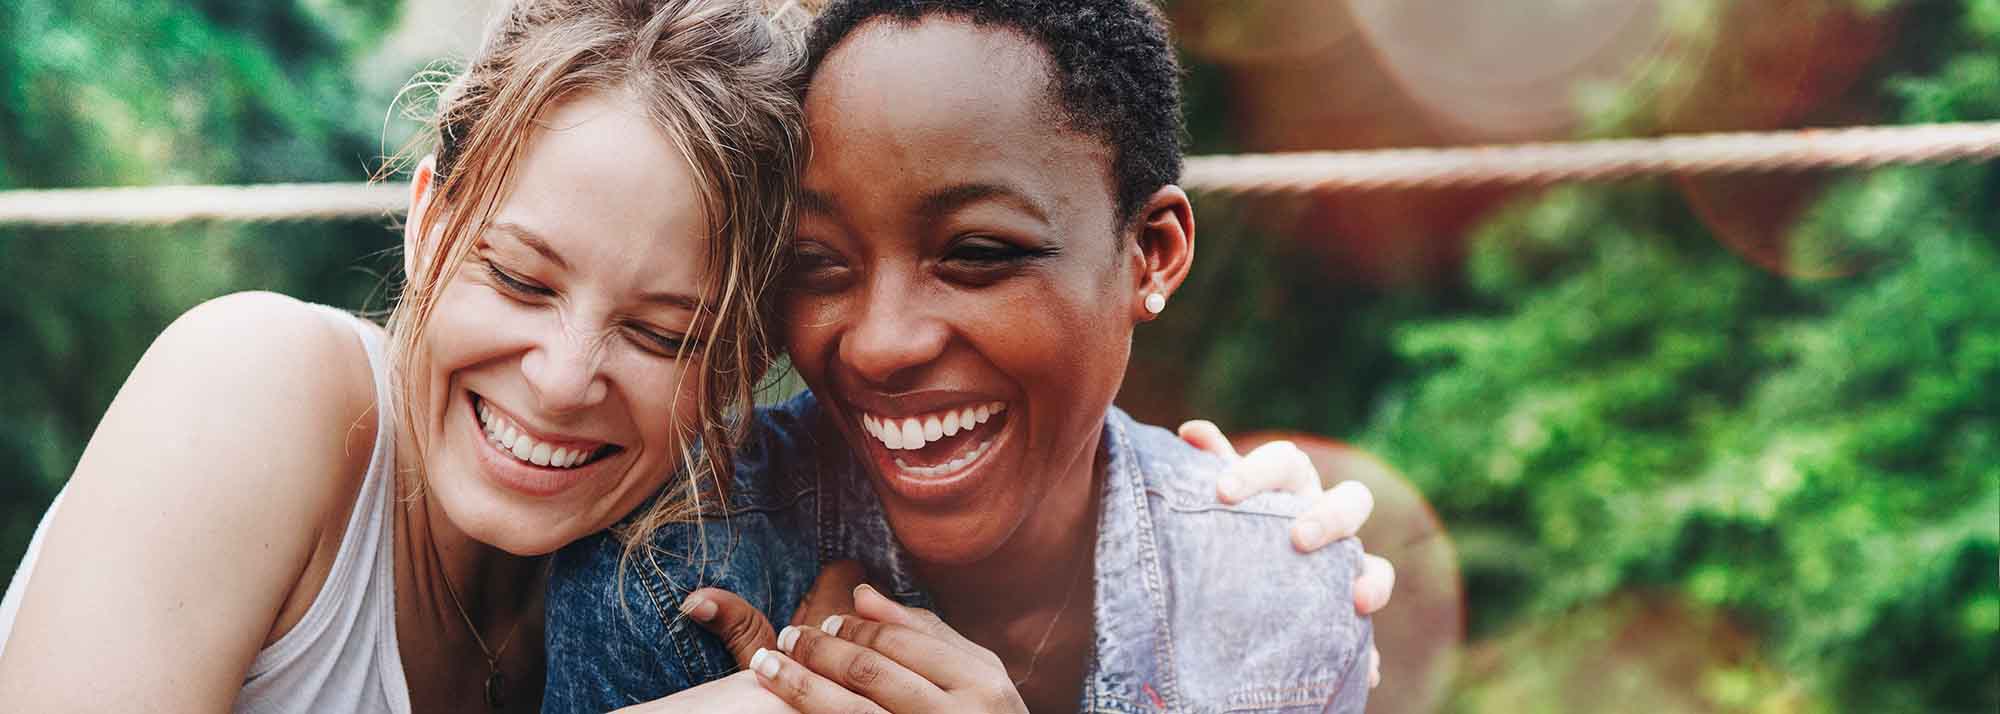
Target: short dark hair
{"x":1116,"y":78}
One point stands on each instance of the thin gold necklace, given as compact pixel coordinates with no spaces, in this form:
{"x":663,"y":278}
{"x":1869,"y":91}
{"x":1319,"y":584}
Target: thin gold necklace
{"x":496,"y":682}
{"x":1069,"y":594}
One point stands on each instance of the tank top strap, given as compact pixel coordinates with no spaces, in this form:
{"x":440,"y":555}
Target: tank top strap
{"x":343,"y":654}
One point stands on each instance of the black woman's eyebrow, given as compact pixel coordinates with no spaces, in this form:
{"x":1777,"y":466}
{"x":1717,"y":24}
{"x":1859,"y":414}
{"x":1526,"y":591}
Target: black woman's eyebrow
{"x":942,"y":202}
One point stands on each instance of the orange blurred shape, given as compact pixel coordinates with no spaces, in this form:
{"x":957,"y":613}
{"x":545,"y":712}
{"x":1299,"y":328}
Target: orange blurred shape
{"x":1509,"y":71}
{"x":1255,"y":32}
{"x":1776,"y":63}
{"x":1422,"y":629}
{"x":1634,"y":651}
{"x":1757,"y":217}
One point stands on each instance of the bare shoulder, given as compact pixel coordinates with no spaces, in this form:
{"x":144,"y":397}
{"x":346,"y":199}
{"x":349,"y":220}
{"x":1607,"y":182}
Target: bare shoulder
{"x":197,"y":502}
{"x":263,"y":376}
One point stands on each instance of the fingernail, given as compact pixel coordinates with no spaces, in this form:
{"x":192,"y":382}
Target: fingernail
{"x":831,"y":626}
{"x":1230,"y":486}
{"x":787,"y":638}
{"x":765,"y":663}
{"x":1310,"y":534}
{"x":699,"y":608}
{"x":864,"y":588}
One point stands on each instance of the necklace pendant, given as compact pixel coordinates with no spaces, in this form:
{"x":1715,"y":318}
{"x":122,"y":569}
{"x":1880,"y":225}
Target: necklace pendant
{"x":496,"y":688}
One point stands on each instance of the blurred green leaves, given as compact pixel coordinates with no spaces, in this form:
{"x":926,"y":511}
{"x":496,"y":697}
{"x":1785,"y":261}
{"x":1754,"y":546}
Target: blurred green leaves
{"x":95,"y":92}
{"x":1624,"y":420}
{"x":1637,"y":438}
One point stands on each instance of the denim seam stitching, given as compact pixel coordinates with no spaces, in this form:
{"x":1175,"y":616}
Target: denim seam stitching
{"x":681,"y":639}
{"x":1150,"y":557}
{"x":1314,"y":693}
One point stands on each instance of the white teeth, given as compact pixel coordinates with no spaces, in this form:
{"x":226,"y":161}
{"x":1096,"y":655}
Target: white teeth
{"x":891,"y":436}
{"x":948,"y":468}
{"x":513,"y":441}
{"x":919,"y":431}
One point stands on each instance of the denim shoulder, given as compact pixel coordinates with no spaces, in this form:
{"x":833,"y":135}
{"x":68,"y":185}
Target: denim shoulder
{"x":775,"y":464}
{"x":1255,"y":624}
{"x":607,"y":631}
{"x":615,"y":634}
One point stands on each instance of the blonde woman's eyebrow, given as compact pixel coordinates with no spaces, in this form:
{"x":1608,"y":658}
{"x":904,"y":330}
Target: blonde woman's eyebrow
{"x":677,"y":300}
{"x":533,"y":240}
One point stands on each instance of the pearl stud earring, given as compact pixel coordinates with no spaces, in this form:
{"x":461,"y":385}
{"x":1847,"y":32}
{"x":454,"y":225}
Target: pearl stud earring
{"x":1156,"y":303}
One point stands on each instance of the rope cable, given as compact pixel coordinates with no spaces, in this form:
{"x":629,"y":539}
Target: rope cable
{"x":1242,"y":174}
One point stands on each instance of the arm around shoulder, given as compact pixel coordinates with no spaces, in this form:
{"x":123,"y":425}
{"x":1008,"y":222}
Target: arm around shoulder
{"x":192,"y":512}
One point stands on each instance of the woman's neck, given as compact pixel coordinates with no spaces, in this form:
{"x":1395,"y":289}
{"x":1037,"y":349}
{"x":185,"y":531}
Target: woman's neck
{"x":448,"y":585}
{"x":1028,"y":571}
{"x":451,"y":571}
{"x":1030,"y":602}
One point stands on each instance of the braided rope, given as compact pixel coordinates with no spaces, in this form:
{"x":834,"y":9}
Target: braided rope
{"x":1605,"y":160}
{"x":1245,"y":174}
{"x":167,"y":205}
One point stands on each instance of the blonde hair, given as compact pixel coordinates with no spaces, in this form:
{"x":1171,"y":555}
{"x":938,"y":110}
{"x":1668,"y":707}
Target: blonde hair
{"x":721,"y":81}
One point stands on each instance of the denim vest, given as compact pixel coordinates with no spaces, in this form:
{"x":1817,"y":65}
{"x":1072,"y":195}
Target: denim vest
{"x":1199,"y":607}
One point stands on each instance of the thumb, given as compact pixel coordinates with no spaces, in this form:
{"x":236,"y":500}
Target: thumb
{"x":872,"y":604}
{"x":832,"y":592}
{"x":742,"y":627}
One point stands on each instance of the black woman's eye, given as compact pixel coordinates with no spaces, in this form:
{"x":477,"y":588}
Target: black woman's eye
{"x":816,"y":268}
{"x":981,"y":251}
{"x":980,"y":260}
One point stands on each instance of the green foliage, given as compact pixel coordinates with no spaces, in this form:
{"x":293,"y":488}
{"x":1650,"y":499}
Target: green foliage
{"x":94,"y":92}
{"x":1609,"y":402}
{"x":1634,"y":405}
{"x":1615,"y":403}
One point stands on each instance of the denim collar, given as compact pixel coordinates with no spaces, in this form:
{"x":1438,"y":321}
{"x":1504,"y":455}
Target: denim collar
{"x":1132,"y":652}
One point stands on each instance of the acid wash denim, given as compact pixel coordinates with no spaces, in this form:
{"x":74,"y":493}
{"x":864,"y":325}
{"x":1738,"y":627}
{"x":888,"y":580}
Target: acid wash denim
{"x":1199,"y":607}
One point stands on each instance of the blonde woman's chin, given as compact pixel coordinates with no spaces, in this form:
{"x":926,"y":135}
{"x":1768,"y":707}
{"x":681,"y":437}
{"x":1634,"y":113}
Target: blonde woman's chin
{"x":492,"y":501}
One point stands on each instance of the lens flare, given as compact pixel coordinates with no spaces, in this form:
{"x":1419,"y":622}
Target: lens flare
{"x":1499,"y":71}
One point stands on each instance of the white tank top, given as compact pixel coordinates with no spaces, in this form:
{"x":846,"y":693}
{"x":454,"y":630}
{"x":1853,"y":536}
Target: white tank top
{"x":342,"y":656}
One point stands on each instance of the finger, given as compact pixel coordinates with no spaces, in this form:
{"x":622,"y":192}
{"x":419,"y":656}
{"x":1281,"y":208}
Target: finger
{"x":742,"y":627}
{"x":805,"y":689}
{"x":1374,"y":585}
{"x":1206,"y":436}
{"x":832,"y":592}
{"x":1333,"y":515}
{"x":944,"y":663}
{"x":1374,"y":667}
{"x":875,"y":606}
{"x":862,"y":670}
{"x":1276,"y":466}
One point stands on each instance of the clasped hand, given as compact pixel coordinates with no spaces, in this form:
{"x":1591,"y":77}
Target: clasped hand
{"x":870,"y":654}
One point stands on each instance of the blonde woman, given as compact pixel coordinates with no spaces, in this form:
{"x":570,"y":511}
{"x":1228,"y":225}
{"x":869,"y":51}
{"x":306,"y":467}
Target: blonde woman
{"x":586,"y":254}
{"x":287,"y":508}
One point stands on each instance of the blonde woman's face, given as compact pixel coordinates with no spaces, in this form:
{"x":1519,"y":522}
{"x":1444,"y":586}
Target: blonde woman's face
{"x":557,"y":402}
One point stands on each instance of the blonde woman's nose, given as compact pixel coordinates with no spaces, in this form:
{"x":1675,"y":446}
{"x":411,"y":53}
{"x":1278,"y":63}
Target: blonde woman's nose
{"x":566,"y":373}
